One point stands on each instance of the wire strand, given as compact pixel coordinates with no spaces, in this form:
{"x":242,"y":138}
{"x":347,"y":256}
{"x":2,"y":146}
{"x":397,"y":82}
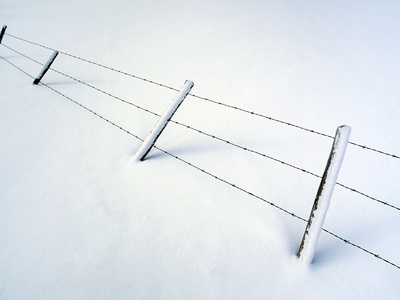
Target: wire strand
{"x":285,"y":164}
{"x":77,"y":103}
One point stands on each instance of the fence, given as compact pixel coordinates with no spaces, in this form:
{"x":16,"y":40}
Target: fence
{"x":3,"y":44}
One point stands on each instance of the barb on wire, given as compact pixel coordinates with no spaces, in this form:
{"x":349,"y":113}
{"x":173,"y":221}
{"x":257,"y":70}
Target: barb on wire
{"x":96,"y":64}
{"x":245,"y":148}
{"x":367,"y":196}
{"x":76,"y":102}
{"x":283,"y":163}
{"x":206,"y":99}
{"x":291,"y":124}
{"x":18,"y":68}
{"x":206,"y":172}
{"x":207,"y":134}
{"x":361,"y":248}
{"x":93,"y":112}
{"x":374,"y":150}
{"x":84,"y":83}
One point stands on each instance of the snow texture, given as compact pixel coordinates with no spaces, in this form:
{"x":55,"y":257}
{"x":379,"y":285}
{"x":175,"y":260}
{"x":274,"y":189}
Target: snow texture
{"x":80,"y":220}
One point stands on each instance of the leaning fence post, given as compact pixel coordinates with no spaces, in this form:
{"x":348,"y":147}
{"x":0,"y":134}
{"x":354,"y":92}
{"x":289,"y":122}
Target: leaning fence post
{"x":3,"y":30}
{"x":321,"y":203}
{"x":163,"y":121}
{"x":46,"y":67}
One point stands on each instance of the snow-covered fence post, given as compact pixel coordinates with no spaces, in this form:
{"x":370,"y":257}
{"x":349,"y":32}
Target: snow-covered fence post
{"x":3,"y":30}
{"x":46,"y":67}
{"x":163,"y":121}
{"x":321,"y":203}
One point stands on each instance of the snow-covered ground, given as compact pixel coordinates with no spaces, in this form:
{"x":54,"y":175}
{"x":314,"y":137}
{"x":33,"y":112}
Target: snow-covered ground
{"x":81,"y":219}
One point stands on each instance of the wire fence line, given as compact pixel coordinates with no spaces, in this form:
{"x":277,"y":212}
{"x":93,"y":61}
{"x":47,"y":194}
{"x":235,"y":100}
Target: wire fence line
{"x":76,"y":102}
{"x":208,"y":99}
{"x":207,"y":172}
{"x":95,"y":63}
{"x":208,"y":134}
{"x":84,"y":83}
{"x":361,"y":248}
{"x":293,"y":125}
{"x":285,"y":164}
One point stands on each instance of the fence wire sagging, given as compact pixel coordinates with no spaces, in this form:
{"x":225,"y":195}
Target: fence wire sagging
{"x":286,"y":211}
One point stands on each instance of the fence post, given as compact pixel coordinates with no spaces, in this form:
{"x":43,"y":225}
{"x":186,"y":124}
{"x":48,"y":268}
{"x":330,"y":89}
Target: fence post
{"x":163,"y":121}
{"x":46,"y":67}
{"x":321,"y":203}
{"x":3,"y":30}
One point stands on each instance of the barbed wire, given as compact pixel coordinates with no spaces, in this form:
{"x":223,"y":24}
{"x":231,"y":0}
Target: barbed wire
{"x":292,"y":125}
{"x":207,"y":172}
{"x":95,"y":63}
{"x":286,"y":164}
{"x":277,"y":207}
{"x":208,"y":99}
{"x":84,"y":83}
{"x":76,"y":102}
{"x":361,"y":248}
{"x":208,"y":134}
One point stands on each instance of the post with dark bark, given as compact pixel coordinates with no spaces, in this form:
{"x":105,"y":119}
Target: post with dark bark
{"x":3,"y":30}
{"x":162,"y":123}
{"x":46,"y":67}
{"x":321,"y":203}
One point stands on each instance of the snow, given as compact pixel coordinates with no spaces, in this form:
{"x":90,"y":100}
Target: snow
{"x":80,"y":220}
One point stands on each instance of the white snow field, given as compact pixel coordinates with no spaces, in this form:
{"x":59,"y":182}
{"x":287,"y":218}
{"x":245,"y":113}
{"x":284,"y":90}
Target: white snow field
{"x":80,"y":218}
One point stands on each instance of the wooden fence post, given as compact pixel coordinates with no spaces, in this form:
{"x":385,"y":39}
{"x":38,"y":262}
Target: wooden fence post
{"x":3,"y":30}
{"x":163,"y":121}
{"x":46,"y":67}
{"x":321,"y":203}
